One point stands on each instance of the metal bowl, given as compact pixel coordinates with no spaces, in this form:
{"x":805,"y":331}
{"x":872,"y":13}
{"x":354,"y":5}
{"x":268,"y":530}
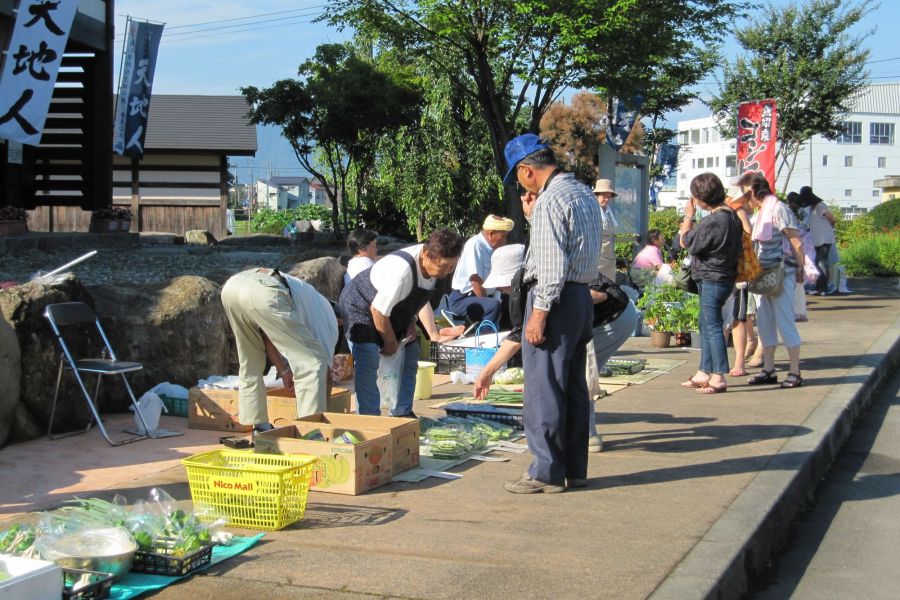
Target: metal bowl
{"x":108,"y":550}
{"x":116,"y":564}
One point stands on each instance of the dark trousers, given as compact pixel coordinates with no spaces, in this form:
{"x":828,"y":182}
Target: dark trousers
{"x":822,"y":253}
{"x":473,"y":307}
{"x":556,"y":393}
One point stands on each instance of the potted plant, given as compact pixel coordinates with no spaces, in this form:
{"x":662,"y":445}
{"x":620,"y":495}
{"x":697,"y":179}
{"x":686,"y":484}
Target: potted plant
{"x":13,"y":221}
{"x":687,"y":316}
{"x":660,"y":307}
{"x":114,"y":218}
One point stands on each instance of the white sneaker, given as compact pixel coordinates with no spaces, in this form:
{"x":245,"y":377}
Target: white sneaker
{"x":595,"y":443}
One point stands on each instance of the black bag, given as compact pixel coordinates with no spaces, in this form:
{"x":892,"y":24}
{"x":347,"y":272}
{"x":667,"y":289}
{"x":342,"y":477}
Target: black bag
{"x":616,"y":301}
{"x":518,"y":295}
{"x":683,"y":280}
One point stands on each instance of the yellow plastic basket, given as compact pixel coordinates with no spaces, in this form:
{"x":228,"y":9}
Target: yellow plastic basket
{"x":254,"y":491}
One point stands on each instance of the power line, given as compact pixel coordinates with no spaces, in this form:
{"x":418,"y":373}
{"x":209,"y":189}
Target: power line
{"x":220,"y":34}
{"x":281,"y":12}
{"x":310,"y":13}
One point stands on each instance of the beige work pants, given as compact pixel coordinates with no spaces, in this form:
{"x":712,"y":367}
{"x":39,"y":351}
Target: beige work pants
{"x":254,"y":302}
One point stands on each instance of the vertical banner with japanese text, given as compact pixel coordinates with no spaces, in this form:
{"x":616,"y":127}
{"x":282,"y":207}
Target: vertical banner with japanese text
{"x":756,"y":136}
{"x":133,"y":102}
{"x":32,"y":63}
{"x":624,"y":115}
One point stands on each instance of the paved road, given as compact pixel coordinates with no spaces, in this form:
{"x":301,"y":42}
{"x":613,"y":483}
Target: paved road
{"x":848,"y":546}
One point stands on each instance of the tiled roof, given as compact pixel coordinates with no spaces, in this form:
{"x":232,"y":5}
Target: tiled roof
{"x":216,"y":123}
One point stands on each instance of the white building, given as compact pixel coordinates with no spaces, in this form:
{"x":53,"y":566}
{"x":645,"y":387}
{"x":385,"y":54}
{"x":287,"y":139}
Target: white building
{"x":279,"y":193}
{"x":841,"y":171}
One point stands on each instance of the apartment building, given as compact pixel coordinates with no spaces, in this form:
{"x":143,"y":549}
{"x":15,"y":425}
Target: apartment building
{"x":843,"y":171}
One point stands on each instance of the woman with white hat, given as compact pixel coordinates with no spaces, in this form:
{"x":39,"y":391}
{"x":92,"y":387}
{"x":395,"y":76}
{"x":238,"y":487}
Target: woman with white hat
{"x":604,"y":191}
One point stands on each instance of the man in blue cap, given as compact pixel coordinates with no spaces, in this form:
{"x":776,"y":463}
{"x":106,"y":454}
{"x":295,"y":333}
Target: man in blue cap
{"x":560,"y":264}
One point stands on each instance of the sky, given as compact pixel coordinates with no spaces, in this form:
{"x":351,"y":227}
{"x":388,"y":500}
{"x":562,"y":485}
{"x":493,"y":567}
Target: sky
{"x":217,"y":46}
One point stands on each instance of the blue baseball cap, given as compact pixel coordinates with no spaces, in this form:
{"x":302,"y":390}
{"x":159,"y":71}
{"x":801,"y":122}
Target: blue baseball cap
{"x":517,"y":149}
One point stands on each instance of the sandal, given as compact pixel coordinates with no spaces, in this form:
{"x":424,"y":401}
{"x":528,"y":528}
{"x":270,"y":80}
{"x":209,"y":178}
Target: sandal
{"x":763,"y":377}
{"x":711,"y":389}
{"x":690,"y":383}
{"x":792,"y":381}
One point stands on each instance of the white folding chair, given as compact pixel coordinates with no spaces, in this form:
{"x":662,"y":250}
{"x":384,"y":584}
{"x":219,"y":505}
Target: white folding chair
{"x":64,"y":315}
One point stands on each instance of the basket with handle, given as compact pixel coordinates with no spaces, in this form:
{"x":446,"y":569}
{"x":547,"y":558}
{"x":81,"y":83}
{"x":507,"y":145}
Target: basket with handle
{"x":478,"y":357}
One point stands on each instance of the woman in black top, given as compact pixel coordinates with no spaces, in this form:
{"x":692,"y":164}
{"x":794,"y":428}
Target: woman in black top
{"x":714,"y":245}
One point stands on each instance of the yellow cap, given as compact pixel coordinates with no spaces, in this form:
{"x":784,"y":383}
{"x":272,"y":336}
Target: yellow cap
{"x":495,"y":223}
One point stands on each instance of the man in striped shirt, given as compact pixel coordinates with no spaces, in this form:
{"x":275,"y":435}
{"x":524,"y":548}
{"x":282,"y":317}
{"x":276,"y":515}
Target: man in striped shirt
{"x":560,"y":263}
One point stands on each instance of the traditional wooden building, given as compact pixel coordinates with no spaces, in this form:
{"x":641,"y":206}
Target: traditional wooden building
{"x":180,"y":184}
{"x":72,"y":166}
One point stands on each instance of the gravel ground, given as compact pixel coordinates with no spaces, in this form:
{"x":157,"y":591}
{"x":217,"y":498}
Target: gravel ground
{"x":150,"y":264}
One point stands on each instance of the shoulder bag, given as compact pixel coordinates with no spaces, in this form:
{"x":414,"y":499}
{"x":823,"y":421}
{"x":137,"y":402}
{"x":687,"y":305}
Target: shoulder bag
{"x":770,"y":282}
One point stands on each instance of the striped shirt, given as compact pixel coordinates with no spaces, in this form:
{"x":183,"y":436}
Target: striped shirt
{"x":565,"y":239}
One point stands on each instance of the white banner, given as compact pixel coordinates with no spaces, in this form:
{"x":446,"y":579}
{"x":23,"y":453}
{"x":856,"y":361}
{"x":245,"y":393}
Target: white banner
{"x":31,"y":66}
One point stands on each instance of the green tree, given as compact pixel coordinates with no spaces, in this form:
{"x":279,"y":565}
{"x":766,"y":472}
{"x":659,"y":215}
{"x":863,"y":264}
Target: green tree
{"x":808,"y":58}
{"x":438,"y":172}
{"x":332,"y":117}
{"x":513,"y":58}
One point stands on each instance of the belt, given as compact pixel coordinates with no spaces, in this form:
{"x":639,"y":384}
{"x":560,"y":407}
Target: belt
{"x":277,"y":275}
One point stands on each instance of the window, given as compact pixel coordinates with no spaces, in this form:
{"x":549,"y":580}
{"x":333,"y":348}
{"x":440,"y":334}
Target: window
{"x":876,"y":193}
{"x":704,"y":135}
{"x":852,"y":133}
{"x":730,"y":166}
{"x":881,"y":133}
{"x":848,"y":161}
{"x":848,"y":193}
{"x":693,"y":163}
{"x":695,"y":136}
{"x":683,"y":138}
{"x":824,"y":160}
{"x":714,"y":134}
{"x":717,"y":161}
{"x":882,"y":162}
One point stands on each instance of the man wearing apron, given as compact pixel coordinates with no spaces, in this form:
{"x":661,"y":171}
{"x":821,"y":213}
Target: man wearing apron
{"x":604,"y":192}
{"x":381,"y":306}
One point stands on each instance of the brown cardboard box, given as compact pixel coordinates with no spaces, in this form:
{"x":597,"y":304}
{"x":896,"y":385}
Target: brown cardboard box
{"x":218,"y":409}
{"x":404,"y":433}
{"x":343,"y":468}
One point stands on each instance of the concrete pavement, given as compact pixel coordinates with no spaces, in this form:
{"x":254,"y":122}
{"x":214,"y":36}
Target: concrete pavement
{"x":847,"y":545}
{"x":687,"y":500}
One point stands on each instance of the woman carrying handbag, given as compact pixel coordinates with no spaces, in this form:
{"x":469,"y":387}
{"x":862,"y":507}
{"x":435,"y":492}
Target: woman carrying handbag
{"x":714,"y":246}
{"x":776,"y":235}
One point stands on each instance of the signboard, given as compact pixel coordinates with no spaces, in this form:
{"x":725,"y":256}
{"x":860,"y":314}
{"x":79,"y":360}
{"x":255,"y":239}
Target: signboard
{"x":133,"y":102}
{"x":32,"y":64}
{"x":627,"y":205}
{"x":757,"y":133}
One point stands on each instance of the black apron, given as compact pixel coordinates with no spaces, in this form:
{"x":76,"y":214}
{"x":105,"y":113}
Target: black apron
{"x":356,"y":301}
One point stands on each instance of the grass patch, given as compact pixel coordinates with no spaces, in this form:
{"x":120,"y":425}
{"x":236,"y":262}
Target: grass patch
{"x":874,"y":255}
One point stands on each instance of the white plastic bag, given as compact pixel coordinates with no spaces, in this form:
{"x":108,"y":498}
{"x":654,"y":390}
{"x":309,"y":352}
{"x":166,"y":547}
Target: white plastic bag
{"x":389,"y":369}
{"x":151,"y":407}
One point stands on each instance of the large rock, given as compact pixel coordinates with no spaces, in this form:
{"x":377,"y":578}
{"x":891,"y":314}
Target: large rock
{"x":199,"y":237}
{"x":10,"y":371}
{"x":255,"y":239}
{"x":22,"y":309}
{"x":325,"y":274}
{"x":177,"y":329}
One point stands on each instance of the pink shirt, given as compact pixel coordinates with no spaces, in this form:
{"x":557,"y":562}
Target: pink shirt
{"x":649,"y":256}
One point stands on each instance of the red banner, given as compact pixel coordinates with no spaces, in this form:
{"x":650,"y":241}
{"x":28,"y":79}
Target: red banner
{"x":756,"y":136}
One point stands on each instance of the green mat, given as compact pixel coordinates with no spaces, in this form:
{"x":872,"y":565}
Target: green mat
{"x":135,"y":584}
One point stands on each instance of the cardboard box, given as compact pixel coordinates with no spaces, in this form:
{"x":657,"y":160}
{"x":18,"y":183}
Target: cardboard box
{"x":343,"y":468}
{"x":218,"y":409}
{"x":404,"y":433}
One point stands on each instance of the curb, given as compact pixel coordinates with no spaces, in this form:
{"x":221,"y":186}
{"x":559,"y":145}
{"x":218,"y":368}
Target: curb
{"x":738,"y":546}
